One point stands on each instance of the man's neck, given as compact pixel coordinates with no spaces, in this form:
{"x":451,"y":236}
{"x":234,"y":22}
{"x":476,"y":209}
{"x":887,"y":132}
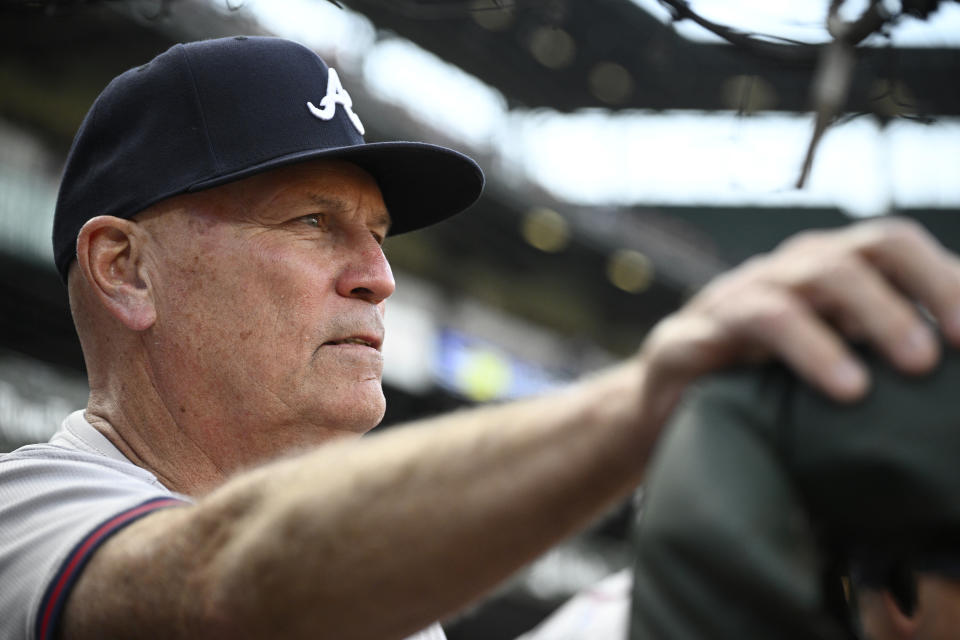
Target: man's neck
{"x":156,"y":444}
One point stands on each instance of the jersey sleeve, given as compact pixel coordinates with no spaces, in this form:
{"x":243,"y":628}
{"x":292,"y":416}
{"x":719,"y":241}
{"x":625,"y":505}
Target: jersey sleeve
{"x":56,"y":508}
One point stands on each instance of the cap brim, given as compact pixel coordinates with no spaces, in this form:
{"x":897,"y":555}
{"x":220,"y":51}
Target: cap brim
{"x":421,"y":183}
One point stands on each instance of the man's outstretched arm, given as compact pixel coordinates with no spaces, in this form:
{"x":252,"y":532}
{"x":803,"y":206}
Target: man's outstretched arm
{"x":376,"y":538}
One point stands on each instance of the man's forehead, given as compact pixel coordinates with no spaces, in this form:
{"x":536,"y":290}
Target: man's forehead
{"x":334,"y":185}
{"x":314,"y":187}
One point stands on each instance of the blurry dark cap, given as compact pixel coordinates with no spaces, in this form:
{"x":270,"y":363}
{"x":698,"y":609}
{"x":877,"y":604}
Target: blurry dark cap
{"x":882,"y":475}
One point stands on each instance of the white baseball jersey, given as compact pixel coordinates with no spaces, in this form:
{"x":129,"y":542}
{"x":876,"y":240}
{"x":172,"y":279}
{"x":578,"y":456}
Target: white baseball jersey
{"x":59,"y":501}
{"x":601,"y":611}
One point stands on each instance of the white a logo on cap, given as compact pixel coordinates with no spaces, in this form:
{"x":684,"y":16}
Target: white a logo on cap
{"x":335,"y":94}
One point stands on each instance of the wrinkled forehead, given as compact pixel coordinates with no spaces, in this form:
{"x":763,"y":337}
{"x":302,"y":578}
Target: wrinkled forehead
{"x":327,"y":186}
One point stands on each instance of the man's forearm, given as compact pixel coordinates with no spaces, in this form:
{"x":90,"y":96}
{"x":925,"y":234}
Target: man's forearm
{"x":378,"y":537}
{"x":429,"y":516}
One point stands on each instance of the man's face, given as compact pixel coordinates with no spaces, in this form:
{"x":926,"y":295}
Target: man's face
{"x":270,"y":297}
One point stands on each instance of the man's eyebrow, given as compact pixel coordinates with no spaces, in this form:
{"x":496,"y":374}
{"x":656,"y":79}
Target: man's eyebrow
{"x":328,"y":202}
{"x":335,"y":204}
{"x":383,"y":220}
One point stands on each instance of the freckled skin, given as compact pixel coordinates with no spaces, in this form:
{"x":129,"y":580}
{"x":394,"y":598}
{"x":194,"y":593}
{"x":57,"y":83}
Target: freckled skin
{"x":251,"y":281}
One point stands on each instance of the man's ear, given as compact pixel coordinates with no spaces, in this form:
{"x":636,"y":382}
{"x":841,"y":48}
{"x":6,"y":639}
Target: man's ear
{"x":881,"y":618}
{"x":905,"y":623}
{"x":110,"y":255}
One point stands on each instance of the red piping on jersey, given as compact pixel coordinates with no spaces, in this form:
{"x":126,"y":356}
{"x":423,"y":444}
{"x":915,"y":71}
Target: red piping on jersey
{"x":56,"y":594}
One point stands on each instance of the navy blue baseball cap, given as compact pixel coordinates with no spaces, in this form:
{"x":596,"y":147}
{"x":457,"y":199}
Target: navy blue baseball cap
{"x":210,"y":112}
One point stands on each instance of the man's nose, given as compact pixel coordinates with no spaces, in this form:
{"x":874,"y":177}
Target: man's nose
{"x":367,"y":274}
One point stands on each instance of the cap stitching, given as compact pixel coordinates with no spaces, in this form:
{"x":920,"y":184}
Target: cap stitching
{"x":203,"y":116}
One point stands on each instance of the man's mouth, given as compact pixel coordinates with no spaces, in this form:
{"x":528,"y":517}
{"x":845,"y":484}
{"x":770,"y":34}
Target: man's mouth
{"x":351,"y":341}
{"x":364,"y":342}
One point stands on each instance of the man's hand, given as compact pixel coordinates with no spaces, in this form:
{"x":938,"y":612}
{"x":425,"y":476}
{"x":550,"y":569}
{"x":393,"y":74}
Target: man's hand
{"x":800,"y":302}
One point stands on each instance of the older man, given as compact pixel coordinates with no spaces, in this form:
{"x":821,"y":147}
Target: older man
{"x":219,"y":227}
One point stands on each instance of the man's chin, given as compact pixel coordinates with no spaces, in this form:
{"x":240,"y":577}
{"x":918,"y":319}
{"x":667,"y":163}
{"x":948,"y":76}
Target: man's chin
{"x":346,"y":423}
{"x":363,"y":414}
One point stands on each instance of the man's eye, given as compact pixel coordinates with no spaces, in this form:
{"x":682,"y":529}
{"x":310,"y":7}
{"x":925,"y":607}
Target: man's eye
{"x":314,"y":220}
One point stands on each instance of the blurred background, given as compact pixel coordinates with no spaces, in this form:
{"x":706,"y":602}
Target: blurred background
{"x":630,"y":156}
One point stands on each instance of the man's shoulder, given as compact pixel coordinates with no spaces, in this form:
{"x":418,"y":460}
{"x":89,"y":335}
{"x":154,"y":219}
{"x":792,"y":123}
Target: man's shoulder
{"x":45,"y":483}
{"x":49,"y":463}
{"x":78,"y":454}
{"x":56,"y":476}
{"x":57,"y":501}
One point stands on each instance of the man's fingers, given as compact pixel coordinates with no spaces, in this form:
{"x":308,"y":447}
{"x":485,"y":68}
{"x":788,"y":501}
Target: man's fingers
{"x":802,"y":303}
{"x":913,"y":259}
{"x":791,"y":331}
{"x":859,"y":296}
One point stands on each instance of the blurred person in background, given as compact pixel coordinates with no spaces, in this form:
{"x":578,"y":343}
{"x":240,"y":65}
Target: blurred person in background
{"x":771,"y":511}
{"x":219,"y":228}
